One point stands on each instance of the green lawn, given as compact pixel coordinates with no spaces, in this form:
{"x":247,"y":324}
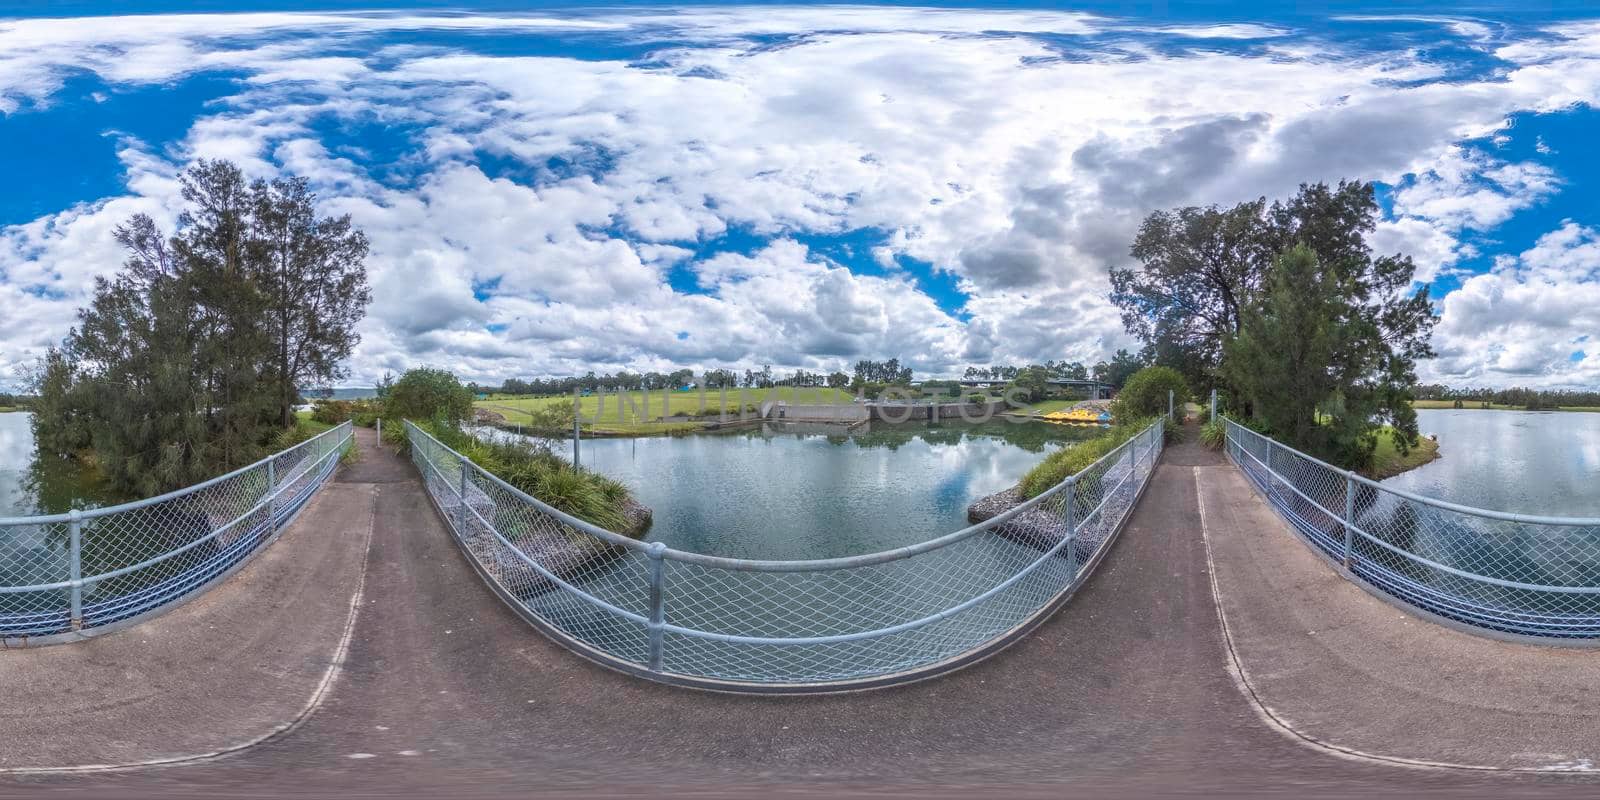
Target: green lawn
{"x":9,"y":409}
{"x":1471,"y":404}
{"x":1387,"y":462}
{"x":632,"y":413}
{"x":304,"y":420}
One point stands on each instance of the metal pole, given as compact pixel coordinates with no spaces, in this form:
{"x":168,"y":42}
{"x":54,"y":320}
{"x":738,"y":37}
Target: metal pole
{"x":380,"y":430}
{"x":461,"y":520}
{"x":658,"y":605}
{"x":1213,"y":404}
{"x":75,"y":537}
{"x":575,"y":463}
{"x":1169,"y":406}
{"x":1070,"y":511}
{"x":1349,"y":516}
{"x":272,"y":497}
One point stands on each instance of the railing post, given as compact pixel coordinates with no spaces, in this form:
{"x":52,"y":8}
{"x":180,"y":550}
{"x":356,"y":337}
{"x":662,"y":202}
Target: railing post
{"x":1170,"y":409}
{"x":380,"y":430}
{"x":1213,"y":404}
{"x":1349,"y":515}
{"x":658,"y":605}
{"x":272,"y":497}
{"x":461,"y":514}
{"x":1069,"y":510}
{"x":575,"y":416}
{"x":75,"y":546}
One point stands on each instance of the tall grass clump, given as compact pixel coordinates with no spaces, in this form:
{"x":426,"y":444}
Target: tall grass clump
{"x":589,"y":496}
{"x":1074,"y":458}
{"x":1214,"y":434}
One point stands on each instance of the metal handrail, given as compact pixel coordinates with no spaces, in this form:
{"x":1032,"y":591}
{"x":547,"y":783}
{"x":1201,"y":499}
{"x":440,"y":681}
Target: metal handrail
{"x":1537,"y":610}
{"x":432,"y":456}
{"x":278,"y":499}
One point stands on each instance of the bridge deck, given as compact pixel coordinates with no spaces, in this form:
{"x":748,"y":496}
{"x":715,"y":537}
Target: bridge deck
{"x":1127,"y":689}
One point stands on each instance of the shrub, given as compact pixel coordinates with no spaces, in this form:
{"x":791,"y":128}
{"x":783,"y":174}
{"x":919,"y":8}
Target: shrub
{"x":589,"y":496}
{"x":1214,"y":433}
{"x":1071,"y":460}
{"x":425,"y":393}
{"x":1145,"y":394}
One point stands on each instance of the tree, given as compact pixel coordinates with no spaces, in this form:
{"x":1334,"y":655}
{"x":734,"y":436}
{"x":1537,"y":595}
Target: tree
{"x":1327,"y":354}
{"x":1030,"y":384}
{"x":1199,"y":267}
{"x":312,"y":273}
{"x":1146,"y":394}
{"x":1120,"y":368}
{"x":838,"y":380}
{"x":425,"y":393}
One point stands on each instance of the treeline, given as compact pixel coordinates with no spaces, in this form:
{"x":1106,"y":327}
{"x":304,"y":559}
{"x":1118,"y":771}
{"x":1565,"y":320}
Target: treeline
{"x":1520,"y":397}
{"x":867,"y":373}
{"x":186,"y":362}
{"x":1114,"y":372}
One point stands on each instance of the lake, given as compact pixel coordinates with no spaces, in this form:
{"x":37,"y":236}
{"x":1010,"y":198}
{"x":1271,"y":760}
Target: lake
{"x":1530,"y":462}
{"x":30,"y":487}
{"x":798,"y":492}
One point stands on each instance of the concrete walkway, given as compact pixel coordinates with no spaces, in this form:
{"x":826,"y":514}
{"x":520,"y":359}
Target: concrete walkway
{"x":1343,"y":667}
{"x":1128,"y":690}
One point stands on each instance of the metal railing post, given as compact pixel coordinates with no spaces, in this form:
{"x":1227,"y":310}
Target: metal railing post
{"x":1213,"y":404}
{"x":575,"y":437}
{"x":658,"y":605}
{"x":1349,"y":516}
{"x":461,"y":514}
{"x":1170,"y":408}
{"x":272,"y":498}
{"x":75,"y":544}
{"x":1070,"y":511}
{"x":380,"y":430}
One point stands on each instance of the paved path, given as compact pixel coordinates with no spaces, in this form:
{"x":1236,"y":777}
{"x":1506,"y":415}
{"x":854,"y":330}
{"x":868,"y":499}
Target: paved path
{"x":1128,"y":690}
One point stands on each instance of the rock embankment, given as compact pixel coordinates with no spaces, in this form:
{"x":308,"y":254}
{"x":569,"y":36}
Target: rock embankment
{"x":1041,"y":526}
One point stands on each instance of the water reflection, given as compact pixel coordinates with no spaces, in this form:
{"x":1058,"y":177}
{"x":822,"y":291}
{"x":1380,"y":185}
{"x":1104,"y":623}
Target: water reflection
{"x":797,"y":491}
{"x":31,"y":485}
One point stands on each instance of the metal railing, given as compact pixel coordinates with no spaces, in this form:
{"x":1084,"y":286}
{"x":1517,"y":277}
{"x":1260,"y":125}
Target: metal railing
{"x":1516,"y":575}
{"x":64,"y":576}
{"x":816,"y":625}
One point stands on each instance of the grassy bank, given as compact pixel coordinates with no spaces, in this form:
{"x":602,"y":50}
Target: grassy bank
{"x":635,"y":414}
{"x":589,"y":496}
{"x":1387,"y":461}
{"x":1467,"y":405}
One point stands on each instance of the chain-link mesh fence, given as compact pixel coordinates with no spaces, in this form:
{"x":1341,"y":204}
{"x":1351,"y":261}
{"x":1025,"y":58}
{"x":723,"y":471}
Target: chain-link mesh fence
{"x":65,"y":574}
{"x":734,"y":622}
{"x":1511,"y":573}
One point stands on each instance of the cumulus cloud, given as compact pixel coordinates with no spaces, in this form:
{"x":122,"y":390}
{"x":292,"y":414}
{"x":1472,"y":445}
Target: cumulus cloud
{"x":558,"y":214}
{"x":1533,"y":319}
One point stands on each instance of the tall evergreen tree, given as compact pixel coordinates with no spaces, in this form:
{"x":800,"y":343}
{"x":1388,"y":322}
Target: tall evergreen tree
{"x":176,"y":370}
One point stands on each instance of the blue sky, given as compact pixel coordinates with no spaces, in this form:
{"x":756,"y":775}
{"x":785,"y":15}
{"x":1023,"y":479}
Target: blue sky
{"x":552,"y":189}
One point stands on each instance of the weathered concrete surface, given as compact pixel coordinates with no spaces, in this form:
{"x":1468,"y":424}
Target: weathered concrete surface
{"x":236,"y":664}
{"x":1347,"y":668}
{"x":1125,"y":692}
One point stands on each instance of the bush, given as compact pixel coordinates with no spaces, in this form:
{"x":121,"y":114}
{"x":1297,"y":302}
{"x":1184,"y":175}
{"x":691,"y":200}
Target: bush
{"x":1145,"y":394}
{"x":425,"y":393}
{"x":1213,"y":434}
{"x":589,"y":496}
{"x":1071,"y":460}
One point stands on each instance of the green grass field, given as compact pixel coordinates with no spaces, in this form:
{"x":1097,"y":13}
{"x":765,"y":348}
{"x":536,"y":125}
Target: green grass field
{"x":304,"y":420}
{"x":633,"y":413}
{"x":1472,"y":404}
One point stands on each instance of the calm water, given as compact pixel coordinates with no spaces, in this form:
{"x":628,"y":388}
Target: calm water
{"x":1531,"y":462}
{"x":790,"y":492}
{"x":28,"y":486}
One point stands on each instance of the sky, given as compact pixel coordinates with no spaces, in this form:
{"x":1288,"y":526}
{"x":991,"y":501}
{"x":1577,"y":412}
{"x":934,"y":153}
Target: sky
{"x":551,"y":190}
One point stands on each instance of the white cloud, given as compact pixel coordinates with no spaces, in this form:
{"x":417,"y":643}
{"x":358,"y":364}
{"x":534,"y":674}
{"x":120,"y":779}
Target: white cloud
{"x":1532,"y":320}
{"x":1018,"y":165}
